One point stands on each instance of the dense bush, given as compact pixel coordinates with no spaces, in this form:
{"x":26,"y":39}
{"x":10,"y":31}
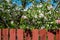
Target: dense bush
{"x":41,"y":15}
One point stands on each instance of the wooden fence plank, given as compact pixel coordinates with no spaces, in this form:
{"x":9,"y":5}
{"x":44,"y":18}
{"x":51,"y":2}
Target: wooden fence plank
{"x":12,"y":34}
{"x":35,"y":34}
{"x":0,"y":34}
{"x":58,"y":35}
{"x":42,"y":33}
{"x":19,"y":34}
{"x":5,"y":34}
{"x":50,"y":36}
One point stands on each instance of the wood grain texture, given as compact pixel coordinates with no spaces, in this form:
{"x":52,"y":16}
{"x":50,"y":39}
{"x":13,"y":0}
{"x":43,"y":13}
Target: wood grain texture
{"x":50,"y":36}
{"x":19,"y":34}
{"x":42,"y":34}
{"x":12,"y":34}
{"x":35,"y":34}
{"x":5,"y":34}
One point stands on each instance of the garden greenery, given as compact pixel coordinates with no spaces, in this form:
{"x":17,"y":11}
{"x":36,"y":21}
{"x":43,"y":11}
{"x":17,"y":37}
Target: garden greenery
{"x":41,"y":15}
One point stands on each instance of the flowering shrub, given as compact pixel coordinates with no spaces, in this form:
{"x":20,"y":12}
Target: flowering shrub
{"x":40,"y":16}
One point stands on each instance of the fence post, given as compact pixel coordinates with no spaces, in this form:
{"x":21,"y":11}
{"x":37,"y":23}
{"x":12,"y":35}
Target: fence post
{"x":12,"y":34}
{"x":42,"y":33}
{"x":35,"y":34}
{"x":50,"y":36}
{"x":5,"y":34}
{"x":0,"y":34}
{"x":19,"y":34}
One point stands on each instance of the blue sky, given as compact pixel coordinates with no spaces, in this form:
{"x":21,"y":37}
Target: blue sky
{"x":30,"y":4}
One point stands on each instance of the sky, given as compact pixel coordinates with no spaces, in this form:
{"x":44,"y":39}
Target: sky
{"x":18,"y":2}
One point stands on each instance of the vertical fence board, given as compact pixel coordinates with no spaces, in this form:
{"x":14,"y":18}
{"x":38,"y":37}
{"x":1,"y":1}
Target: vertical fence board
{"x":50,"y":36}
{"x":42,"y":33}
{"x":19,"y":34}
{"x":57,"y":35}
{"x":0,"y":34}
{"x":12,"y":34}
{"x":35,"y":34}
{"x":5,"y":34}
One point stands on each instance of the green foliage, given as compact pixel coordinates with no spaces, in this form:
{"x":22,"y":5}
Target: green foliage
{"x":41,"y":15}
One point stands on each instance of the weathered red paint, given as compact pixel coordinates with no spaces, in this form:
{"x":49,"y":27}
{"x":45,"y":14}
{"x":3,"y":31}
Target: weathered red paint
{"x":57,"y":34}
{"x":42,"y":33}
{"x":50,"y":36}
{"x":35,"y":34}
{"x":19,"y":34}
{"x":0,"y":34}
{"x":5,"y":34}
{"x":12,"y":34}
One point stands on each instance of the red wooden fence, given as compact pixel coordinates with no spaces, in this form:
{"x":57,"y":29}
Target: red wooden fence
{"x":19,"y":34}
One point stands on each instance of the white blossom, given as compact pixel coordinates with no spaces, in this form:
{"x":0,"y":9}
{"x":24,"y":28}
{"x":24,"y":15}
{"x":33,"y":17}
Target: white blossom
{"x":8,"y":0}
{"x":57,"y":11}
{"x":45,"y":18}
{"x":47,"y":25}
{"x":41,"y":15}
{"x":49,"y":7}
{"x":25,"y":9}
{"x":33,"y":20}
{"x":35,"y":16}
{"x":42,"y":27}
{"x":8,"y":10}
{"x":12,"y":22}
{"x":24,"y":17}
{"x":40,"y":5}
{"x":49,"y":12}
{"x":39,"y":11}
{"x":58,"y":21}
{"x":4,"y":17}
{"x":51,"y":22}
